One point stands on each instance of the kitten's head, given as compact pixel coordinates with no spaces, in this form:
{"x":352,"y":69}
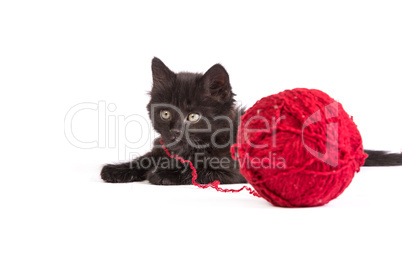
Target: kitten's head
{"x":191,"y":109}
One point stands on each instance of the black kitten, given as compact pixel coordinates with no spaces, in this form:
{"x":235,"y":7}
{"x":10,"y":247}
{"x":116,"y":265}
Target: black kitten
{"x":197,"y":119}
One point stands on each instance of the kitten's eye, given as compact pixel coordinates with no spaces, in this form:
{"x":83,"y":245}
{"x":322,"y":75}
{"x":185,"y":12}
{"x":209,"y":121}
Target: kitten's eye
{"x":193,"y":117}
{"x":165,"y":115}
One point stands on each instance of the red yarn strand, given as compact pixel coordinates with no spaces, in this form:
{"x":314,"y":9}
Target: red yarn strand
{"x":215,"y":184}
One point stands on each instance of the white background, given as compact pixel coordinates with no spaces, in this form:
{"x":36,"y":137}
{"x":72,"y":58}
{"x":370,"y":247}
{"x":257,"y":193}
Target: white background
{"x":56,"y":212}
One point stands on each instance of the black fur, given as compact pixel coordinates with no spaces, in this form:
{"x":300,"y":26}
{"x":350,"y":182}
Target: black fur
{"x":206,"y":143}
{"x":382,"y":158}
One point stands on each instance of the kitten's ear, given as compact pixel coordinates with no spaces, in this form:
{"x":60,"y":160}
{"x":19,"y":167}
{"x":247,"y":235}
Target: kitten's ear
{"x":216,"y":83}
{"x":161,"y":74}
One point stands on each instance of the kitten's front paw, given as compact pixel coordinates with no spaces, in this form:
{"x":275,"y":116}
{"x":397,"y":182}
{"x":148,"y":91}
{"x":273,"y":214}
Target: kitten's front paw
{"x":111,"y":173}
{"x":165,"y":178}
{"x":119,"y":173}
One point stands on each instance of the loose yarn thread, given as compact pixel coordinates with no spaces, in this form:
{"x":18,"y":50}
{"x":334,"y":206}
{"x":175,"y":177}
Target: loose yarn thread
{"x":215,"y":184}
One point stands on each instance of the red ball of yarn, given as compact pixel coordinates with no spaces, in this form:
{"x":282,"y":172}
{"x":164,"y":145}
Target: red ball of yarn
{"x":299,"y":148}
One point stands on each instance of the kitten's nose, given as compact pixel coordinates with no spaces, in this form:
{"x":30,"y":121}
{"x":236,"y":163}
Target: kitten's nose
{"x":175,"y":133}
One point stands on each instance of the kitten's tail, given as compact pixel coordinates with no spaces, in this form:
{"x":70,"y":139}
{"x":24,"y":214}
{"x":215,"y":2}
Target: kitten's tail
{"x":382,"y":158}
